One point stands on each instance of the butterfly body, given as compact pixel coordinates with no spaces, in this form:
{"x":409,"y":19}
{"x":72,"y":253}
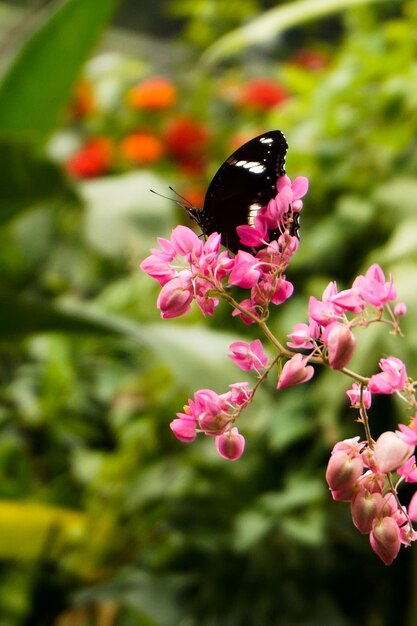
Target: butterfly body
{"x":242,"y":185}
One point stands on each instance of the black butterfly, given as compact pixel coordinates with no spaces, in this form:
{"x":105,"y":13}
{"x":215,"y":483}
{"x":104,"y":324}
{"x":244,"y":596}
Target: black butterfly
{"x":242,"y":185}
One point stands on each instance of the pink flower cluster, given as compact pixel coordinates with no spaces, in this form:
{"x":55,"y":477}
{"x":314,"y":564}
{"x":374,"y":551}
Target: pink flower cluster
{"x":328,"y":333}
{"x":190,"y":269}
{"x":215,"y":415}
{"x":361,"y":474}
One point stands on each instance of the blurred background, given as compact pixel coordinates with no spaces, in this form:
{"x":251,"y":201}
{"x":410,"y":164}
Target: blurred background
{"x":105,"y":518}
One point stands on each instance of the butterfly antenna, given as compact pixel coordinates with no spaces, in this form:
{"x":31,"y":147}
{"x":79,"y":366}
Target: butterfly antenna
{"x":184,"y":203}
{"x":183,"y":198}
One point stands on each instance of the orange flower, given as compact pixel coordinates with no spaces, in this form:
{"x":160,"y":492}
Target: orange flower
{"x":83,"y":102}
{"x":142,"y":148}
{"x":186,"y":138}
{"x":262,"y":94}
{"x":154,"y":94}
{"x":94,"y":159}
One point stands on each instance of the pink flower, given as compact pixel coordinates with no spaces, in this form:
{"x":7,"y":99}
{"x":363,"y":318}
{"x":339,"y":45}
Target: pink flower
{"x":248,"y":356}
{"x":244,"y":273}
{"x":373,"y":288}
{"x":303,"y":335}
{"x":400,"y":309}
{"x":409,"y":470}
{"x":250,"y":307}
{"x":390,"y":452}
{"x":230,"y":445}
{"x":240,"y":393}
{"x":324,"y":311}
{"x":295,"y":372}
{"x":354,"y":395}
{"x":349,"y":300}
{"x":175,"y":297}
{"x":409,"y":433}
{"x":186,"y":242}
{"x":385,"y":539}
{"x":252,"y":236}
{"x":184,"y":428}
{"x":340,"y":343}
{"x":392,"y":378}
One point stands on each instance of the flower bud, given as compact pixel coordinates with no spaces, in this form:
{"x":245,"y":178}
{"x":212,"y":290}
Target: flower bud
{"x":385,"y":539}
{"x":295,"y":372}
{"x":230,"y":445}
{"x":365,"y":507}
{"x":185,"y":429}
{"x":390,"y":452}
{"x":174,"y":298}
{"x":340,"y":345}
{"x":400,"y":309}
{"x":343,"y":471}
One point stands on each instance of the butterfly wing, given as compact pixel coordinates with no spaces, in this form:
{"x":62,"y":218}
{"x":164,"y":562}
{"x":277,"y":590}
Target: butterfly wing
{"x":245,"y":182}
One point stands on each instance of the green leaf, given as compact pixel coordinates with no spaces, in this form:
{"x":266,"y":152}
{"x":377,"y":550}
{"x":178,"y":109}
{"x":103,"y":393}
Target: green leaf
{"x":195,"y":355}
{"x":22,"y":315}
{"x":271,"y":24}
{"x":38,"y":82}
{"x":27,"y":179}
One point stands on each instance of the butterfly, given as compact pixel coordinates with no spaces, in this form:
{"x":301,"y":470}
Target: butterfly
{"x":241,"y":186}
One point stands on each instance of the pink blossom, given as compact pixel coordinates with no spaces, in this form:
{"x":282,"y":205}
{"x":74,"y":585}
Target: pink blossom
{"x":303,"y":335}
{"x":282,"y":290}
{"x":349,"y":300}
{"x":324,"y":311}
{"x":400,"y":309}
{"x":340,"y":343}
{"x":175,"y":297}
{"x":373,"y":288}
{"x":385,"y":539}
{"x":186,"y":242}
{"x":409,"y":470}
{"x":392,"y":378}
{"x":299,"y":186}
{"x":248,"y":356}
{"x":252,"y":236}
{"x":240,"y":393}
{"x":390,"y":452}
{"x":230,"y":445}
{"x":354,"y":395}
{"x":250,"y":307}
{"x":295,"y":372}
{"x":244,"y":273}
{"x":409,"y":433}
{"x":184,"y":428}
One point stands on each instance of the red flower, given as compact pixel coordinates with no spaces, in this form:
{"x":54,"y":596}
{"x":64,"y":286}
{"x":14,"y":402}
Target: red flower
{"x":93,"y":159}
{"x":153,"y":94}
{"x":262,"y":94}
{"x":186,"y":138}
{"x":142,"y":148}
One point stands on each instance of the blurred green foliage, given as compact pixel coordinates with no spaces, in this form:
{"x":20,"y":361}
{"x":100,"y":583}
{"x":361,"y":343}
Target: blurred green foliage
{"x":104,"y":517}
